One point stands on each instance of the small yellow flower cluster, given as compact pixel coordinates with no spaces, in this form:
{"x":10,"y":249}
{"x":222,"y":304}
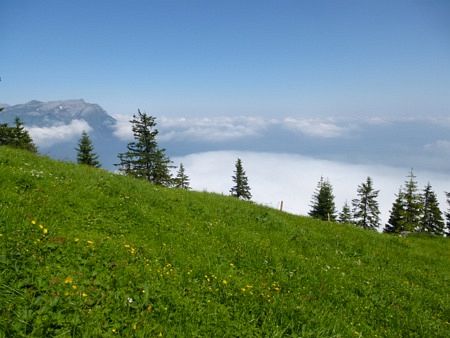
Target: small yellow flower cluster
{"x":276,"y":287}
{"x":69,"y":280}
{"x":248,"y":288}
{"x":130,"y":249}
{"x":43,"y":229}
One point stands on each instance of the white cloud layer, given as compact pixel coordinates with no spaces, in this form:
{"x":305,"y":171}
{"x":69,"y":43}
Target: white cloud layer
{"x":48,"y":136}
{"x":293,"y":178}
{"x":219,"y":129}
{"x":314,"y":127}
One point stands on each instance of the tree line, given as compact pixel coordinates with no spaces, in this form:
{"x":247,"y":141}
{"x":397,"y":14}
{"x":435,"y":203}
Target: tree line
{"x":412,"y":211}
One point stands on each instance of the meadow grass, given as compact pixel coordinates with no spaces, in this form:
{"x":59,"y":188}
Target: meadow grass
{"x":87,"y":253}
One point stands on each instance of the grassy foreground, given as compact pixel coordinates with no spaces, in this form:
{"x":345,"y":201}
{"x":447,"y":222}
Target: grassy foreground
{"x":87,"y":253}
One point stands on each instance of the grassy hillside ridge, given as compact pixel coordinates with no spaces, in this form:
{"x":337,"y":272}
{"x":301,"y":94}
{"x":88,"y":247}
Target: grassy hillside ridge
{"x":89,"y":253}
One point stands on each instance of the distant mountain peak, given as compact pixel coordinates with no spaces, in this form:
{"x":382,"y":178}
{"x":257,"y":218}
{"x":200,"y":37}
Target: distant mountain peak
{"x":44,"y":114}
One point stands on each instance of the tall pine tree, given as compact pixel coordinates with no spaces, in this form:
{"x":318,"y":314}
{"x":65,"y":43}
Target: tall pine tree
{"x":322,"y":204}
{"x":431,"y":221}
{"x":143,"y":158}
{"x":85,"y":152}
{"x":366,"y":212}
{"x":345,"y":216}
{"x":413,"y":205}
{"x":241,"y":189}
{"x":395,"y":223}
{"x":181,"y":181}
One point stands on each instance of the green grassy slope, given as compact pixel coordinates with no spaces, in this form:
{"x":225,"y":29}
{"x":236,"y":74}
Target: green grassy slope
{"x":88,"y":253}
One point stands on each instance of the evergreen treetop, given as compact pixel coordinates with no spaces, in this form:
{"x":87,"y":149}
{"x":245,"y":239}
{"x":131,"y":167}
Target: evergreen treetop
{"x":395,"y":223}
{"x":366,"y":212}
{"x":85,"y":151}
{"x":431,"y":221}
{"x":322,"y":204}
{"x":413,"y":204}
{"x":143,"y":158}
{"x":241,"y":189}
{"x":345,"y":216}
{"x":181,"y":180}
{"x":16,"y":136}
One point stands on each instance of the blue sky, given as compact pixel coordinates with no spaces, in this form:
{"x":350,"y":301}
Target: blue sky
{"x":271,"y":58}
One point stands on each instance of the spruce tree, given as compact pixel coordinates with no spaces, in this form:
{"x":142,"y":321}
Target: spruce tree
{"x":16,"y":136}
{"x":396,"y":218}
{"x":366,"y":212}
{"x":241,"y":189}
{"x":345,"y":216}
{"x":431,"y":221}
{"x":143,"y":158}
{"x":413,"y":205}
{"x":85,"y":152}
{"x":181,"y":181}
{"x":322,"y":204}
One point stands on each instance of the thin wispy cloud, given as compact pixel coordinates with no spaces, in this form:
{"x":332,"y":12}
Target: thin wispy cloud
{"x":315,"y":127}
{"x":220,"y":129}
{"x":48,"y":136}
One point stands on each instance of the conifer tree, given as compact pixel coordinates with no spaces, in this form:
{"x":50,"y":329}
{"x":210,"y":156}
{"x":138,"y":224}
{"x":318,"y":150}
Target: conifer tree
{"x":322,"y":204}
{"x":366,"y":212}
{"x":85,"y":151}
{"x":396,"y":219}
{"x":431,"y":221}
{"x":143,"y":158}
{"x":16,"y":136}
{"x":241,"y":189}
{"x":413,"y":205}
{"x":345,"y":216}
{"x":181,"y":181}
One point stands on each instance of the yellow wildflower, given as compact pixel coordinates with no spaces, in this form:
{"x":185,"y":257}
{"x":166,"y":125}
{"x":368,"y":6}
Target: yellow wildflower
{"x":74,"y":287}
{"x":41,"y":226}
{"x":68,"y":280}
{"x":114,"y":330}
{"x":84,"y":294}
{"x":33,"y":222}
{"x":76,"y":239}
{"x":45,"y":231}
{"x":90,"y":242}
{"x":224,"y":282}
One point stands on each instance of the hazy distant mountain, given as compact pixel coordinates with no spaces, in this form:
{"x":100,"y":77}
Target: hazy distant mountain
{"x":56,"y":127}
{"x":46,"y":114}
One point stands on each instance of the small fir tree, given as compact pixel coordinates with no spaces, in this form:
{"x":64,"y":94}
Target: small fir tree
{"x":345,"y":216}
{"x":241,"y":189}
{"x":431,"y":221}
{"x":366,"y":212}
{"x":143,"y":158}
{"x":85,"y":152}
{"x":181,"y":181}
{"x":396,"y":217}
{"x":413,"y":205}
{"x":322,"y":205}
